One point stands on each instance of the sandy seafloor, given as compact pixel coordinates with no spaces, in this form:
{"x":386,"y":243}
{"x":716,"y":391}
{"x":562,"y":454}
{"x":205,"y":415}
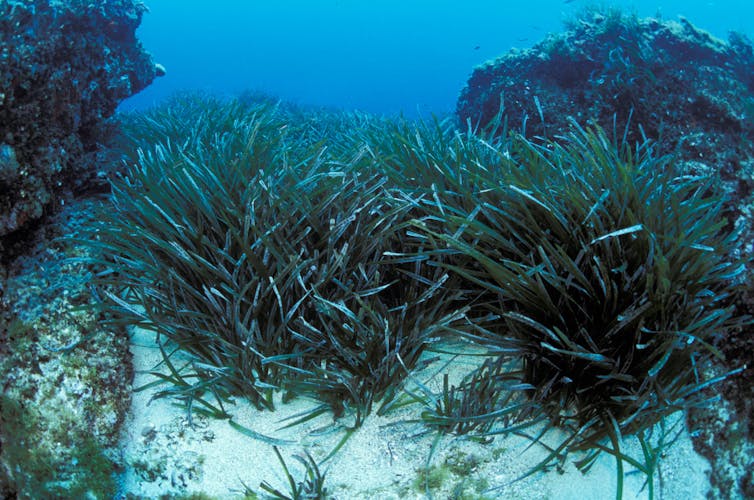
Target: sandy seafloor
{"x":382,"y":460}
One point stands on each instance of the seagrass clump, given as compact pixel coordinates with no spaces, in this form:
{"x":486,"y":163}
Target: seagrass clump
{"x":265,"y":262}
{"x":611,"y":275}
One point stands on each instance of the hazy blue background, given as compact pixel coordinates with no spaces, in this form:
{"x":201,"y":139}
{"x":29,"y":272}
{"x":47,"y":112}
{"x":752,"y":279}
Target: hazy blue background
{"x":382,"y":56}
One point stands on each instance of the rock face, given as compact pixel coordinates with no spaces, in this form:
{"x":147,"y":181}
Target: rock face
{"x":65,"y":380}
{"x":64,"y":67}
{"x":678,"y":83}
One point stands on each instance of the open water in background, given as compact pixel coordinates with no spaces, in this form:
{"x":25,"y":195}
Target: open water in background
{"x":381,"y":56}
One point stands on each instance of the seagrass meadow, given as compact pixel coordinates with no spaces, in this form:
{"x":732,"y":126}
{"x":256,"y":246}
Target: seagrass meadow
{"x":543,"y":293}
{"x":280,"y":253}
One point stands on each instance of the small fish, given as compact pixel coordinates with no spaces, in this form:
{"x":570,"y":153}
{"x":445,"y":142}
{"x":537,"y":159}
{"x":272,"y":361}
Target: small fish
{"x":569,"y":1}
{"x":476,"y":47}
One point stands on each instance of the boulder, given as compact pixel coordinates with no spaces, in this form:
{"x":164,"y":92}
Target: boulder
{"x":667,"y":80}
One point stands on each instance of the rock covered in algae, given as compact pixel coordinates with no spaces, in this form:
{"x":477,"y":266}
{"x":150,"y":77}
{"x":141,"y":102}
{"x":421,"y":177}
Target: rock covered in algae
{"x":65,"y":378}
{"x":678,"y":83}
{"x":64,"y":67}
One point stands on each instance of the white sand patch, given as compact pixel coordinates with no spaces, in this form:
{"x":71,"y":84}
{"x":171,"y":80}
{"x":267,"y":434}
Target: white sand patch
{"x":383,"y":459}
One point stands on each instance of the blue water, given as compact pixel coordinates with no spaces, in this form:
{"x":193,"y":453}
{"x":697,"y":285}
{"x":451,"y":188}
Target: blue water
{"x":381,"y":56}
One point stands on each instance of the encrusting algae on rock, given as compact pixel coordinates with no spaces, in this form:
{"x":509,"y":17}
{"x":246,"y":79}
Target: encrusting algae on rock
{"x":65,"y":378}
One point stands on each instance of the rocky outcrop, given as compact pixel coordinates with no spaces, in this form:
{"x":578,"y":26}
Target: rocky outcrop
{"x":64,"y":67}
{"x":671,"y":81}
